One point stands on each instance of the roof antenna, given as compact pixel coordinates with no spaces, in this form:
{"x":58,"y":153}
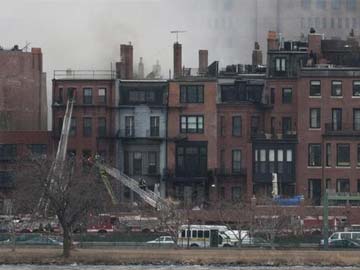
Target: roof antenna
{"x":26,"y":46}
{"x":177,"y":34}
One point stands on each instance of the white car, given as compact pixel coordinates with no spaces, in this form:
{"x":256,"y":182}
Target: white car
{"x":162,"y":240}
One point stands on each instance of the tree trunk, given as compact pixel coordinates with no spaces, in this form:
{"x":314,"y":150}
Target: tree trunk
{"x":66,"y":242}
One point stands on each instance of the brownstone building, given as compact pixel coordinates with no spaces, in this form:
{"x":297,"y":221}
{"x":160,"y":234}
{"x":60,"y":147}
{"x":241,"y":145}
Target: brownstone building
{"x":192,"y":138}
{"x":92,"y":124}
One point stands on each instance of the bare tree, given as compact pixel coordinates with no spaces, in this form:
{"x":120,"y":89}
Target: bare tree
{"x":271,"y":220}
{"x":71,"y":196}
{"x":238,"y":216}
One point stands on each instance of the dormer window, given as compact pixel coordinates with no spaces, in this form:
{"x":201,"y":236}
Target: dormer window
{"x":280,"y":64}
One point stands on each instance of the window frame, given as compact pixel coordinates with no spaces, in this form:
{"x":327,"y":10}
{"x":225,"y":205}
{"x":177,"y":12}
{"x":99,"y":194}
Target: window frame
{"x":87,"y":126}
{"x":185,"y":95}
{"x":102,"y":98}
{"x":187,"y":130}
{"x":237,"y":131}
{"x":356,"y":88}
{"x":343,"y":163}
{"x":314,"y":84}
{"x":87,"y":99}
{"x":280,"y":64}
{"x":356,"y":120}
{"x":312,"y":155}
{"x":102,"y":128}
{"x":236,"y":164}
{"x":155,"y":129}
{"x":318,"y":118}
{"x":335,"y":83}
{"x":287,"y":99}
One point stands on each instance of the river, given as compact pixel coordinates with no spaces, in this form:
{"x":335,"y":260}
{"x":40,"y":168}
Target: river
{"x":164,"y":267}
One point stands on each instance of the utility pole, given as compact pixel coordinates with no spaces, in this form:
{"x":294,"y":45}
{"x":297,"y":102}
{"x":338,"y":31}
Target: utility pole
{"x":326,"y":220}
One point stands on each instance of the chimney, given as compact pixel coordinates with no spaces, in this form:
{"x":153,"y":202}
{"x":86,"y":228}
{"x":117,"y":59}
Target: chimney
{"x":314,"y":44}
{"x":257,"y":55}
{"x":37,"y":58}
{"x":273,"y":42}
{"x":126,"y":56}
{"x":141,"y":69}
{"x":177,"y":60}
{"x":203,"y":61}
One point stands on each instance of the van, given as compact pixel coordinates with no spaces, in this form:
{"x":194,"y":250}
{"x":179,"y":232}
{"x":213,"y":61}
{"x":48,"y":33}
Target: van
{"x":342,"y":236}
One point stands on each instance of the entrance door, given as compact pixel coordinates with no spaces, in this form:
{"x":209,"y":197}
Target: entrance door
{"x":214,"y":238}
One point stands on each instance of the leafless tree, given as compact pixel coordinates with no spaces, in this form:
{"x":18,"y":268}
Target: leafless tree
{"x":70,"y":195}
{"x":238,"y":216}
{"x":271,"y":220}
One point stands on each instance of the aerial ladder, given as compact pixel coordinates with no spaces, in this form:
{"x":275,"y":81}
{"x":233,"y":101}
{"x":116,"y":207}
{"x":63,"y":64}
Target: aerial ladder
{"x":57,"y":167}
{"x":150,"y":197}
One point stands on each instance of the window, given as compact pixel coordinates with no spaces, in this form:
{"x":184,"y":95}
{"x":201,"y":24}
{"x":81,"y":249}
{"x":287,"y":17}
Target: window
{"x":222,"y":160}
{"x":137,"y":163}
{"x":272,"y":96}
{"x":191,"y":160}
{"x":236,"y":161}
{"x":72,"y":127}
{"x":255,"y":124}
{"x":358,"y":155}
{"x":71,"y":94}
{"x":154,"y":126}
{"x":356,"y":119}
{"x":272,"y":125}
{"x":305,"y":4}
{"x":191,"y":94}
{"x":356,"y":88}
{"x":328,"y":183}
{"x":102,"y":95}
{"x":314,"y":155}
{"x":340,"y":23}
{"x":38,"y":149}
{"x":351,"y":4}
{"x":336,"y":88}
{"x":328,"y":155}
{"x":87,"y":126}
{"x":336,"y":119}
{"x":315,"y":116}
{"x":286,"y":125}
{"x":342,"y":185}
{"x":315,"y":88}
{"x":61,"y":99}
{"x":141,"y":97}
{"x":321,"y":4}
{"x":343,"y":155}
{"x":236,"y":194}
{"x":192,"y":124}
{"x":280,"y":65}
{"x":7,"y":179}
{"x":280,"y":159}
{"x":314,"y":191}
{"x":271,"y":160}
{"x":222,"y":125}
{"x":286,"y":95}
{"x":358,"y":186}
{"x":263,"y":161}
{"x":129,"y":126}
{"x":152,"y":162}
{"x":101,"y":126}
{"x":236,"y":126}
{"x":7,"y":152}
{"x":335,"y":4}
{"x":87,"y":96}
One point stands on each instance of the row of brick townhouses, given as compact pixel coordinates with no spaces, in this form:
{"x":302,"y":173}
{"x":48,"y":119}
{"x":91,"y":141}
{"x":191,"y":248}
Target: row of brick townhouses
{"x":220,"y":136}
{"x":216,"y":135}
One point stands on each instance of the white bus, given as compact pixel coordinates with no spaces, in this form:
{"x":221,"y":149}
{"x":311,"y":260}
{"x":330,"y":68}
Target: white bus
{"x":209,"y":236}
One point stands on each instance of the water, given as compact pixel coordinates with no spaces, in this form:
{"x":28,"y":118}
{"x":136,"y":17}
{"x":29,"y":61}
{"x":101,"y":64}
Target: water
{"x":164,"y":267}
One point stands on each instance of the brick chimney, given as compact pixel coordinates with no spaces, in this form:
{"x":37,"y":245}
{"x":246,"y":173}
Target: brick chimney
{"x":272,"y":41}
{"x":314,"y":45}
{"x":126,"y":56}
{"x":203,"y":61}
{"x":177,"y":60}
{"x":37,"y":58}
{"x":257,"y":55}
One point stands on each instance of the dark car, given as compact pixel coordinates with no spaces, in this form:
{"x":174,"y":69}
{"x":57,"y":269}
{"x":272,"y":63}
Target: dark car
{"x":344,"y":243}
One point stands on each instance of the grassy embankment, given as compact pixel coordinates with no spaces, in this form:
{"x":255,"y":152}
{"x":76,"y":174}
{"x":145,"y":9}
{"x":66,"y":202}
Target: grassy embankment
{"x":181,"y":256}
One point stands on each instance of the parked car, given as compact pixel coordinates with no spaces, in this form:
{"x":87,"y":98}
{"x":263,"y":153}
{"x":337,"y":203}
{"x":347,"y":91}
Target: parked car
{"x":344,"y":243}
{"x":162,"y":240}
{"x":37,"y":240}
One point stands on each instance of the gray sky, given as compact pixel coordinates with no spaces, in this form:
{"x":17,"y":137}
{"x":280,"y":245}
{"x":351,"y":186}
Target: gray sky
{"x":86,"y":34}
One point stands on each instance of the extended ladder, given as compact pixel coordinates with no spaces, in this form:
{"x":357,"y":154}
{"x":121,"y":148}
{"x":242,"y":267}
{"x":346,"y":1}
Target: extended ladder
{"x":148,"y":196}
{"x":56,"y":169}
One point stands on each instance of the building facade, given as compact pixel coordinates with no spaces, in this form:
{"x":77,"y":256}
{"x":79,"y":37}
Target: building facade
{"x":92,"y":129}
{"x":141,"y":121}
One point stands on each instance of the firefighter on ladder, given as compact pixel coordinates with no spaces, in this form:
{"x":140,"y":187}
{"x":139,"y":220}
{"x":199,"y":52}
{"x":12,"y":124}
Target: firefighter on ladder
{"x":142,"y":184}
